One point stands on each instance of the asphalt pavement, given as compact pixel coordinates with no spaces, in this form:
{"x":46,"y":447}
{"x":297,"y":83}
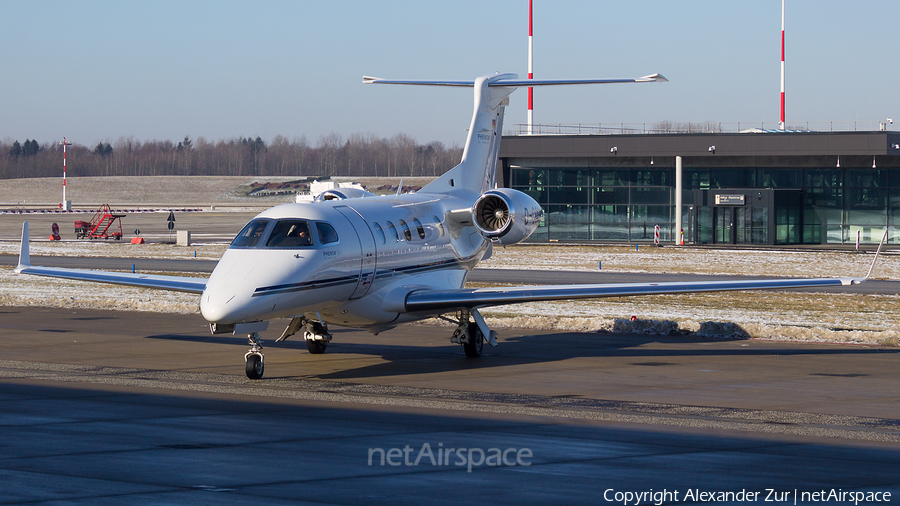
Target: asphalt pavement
{"x":105,"y":407}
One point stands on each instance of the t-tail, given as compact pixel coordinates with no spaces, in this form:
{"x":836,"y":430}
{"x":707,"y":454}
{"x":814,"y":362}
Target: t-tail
{"x":477,"y":171}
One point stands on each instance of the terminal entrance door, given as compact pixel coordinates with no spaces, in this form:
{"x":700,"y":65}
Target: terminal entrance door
{"x":723,"y":228}
{"x":739,"y":225}
{"x":741,"y":216}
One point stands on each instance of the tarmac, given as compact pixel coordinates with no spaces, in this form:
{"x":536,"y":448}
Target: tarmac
{"x":105,"y":407}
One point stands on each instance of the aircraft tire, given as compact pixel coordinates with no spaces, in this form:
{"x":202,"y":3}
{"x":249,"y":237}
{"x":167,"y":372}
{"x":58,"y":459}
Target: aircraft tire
{"x":316,"y":347}
{"x":254,"y":367}
{"x":475,"y":344}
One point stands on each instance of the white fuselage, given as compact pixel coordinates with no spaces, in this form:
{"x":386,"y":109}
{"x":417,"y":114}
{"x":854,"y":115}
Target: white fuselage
{"x":383,"y":246}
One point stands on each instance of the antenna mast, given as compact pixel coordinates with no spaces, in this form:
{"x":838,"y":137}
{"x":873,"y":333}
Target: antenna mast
{"x":530,"y":119}
{"x":782,"y":65}
{"x":64,"y":205}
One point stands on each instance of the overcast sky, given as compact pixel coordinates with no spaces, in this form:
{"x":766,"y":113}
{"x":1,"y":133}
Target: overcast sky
{"x":100,"y":70}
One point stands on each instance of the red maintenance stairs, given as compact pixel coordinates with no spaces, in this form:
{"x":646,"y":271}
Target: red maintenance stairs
{"x":103,"y":225}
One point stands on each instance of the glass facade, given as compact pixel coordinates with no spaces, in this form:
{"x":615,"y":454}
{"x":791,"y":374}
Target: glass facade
{"x":597,"y":204}
{"x":812,"y":205}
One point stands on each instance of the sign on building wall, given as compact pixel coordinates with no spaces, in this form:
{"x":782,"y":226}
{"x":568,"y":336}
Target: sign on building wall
{"x":729,"y":200}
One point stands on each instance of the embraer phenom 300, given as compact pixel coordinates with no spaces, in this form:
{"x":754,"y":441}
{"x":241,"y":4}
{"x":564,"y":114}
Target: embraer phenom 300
{"x":354,"y":259}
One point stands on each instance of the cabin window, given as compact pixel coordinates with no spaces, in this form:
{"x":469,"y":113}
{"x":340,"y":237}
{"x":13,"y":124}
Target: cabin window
{"x":439,"y":226}
{"x":327,"y":235}
{"x":290,"y":234}
{"x":379,"y":233}
{"x":406,"y":232}
{"x":249,"y":236}
{"x":392,"y":231}
{"x":419,"y":228}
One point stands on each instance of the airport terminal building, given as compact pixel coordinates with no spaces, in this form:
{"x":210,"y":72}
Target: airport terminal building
{"x":740,"y":188}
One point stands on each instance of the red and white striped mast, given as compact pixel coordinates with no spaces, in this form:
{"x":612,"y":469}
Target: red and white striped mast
{"x":64,"y":143}
{"x":530,"y":118}
{"x":782,"y":65}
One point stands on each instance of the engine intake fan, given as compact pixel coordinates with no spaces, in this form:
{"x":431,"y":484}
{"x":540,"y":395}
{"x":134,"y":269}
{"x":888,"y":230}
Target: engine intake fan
{"x":492,"y":214}
{"x":505,"y":215}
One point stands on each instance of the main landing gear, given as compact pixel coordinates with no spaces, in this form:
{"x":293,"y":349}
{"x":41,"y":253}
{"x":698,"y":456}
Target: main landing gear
{"x":315,"y":333}
{"x":472,"y":335}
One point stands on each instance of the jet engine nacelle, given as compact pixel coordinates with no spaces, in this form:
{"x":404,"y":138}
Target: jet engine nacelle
{"x":506,"y":216}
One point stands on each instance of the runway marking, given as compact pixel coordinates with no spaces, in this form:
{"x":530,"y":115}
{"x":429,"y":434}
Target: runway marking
{"x":699,"y":417}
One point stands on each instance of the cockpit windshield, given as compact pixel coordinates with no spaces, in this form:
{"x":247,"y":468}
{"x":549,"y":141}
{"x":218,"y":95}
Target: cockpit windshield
{"x":290,"y":234}
{"x":249,"y":236}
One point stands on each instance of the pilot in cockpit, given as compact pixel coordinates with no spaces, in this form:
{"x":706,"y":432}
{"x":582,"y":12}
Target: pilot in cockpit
{"x":300,"y":232}
{"x":290,"y":234}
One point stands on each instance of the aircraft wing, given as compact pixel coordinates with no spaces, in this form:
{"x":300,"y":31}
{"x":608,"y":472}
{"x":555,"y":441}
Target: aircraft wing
{"x":173,"y":283}
{"x":448,"y":300}
{"x":426,"y":300}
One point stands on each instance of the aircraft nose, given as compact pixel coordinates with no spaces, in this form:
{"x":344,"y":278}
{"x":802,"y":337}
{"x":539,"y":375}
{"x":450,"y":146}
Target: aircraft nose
{"x":229,"y":295}
{"x":214,"y":306}
{"x":224,"y":299}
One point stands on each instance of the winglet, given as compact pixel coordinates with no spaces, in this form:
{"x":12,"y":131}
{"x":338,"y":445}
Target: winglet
{"x":24,"y":255}
{"x":856,"y":281}
{"x":652,"y":78}
{"x":877,"y":252}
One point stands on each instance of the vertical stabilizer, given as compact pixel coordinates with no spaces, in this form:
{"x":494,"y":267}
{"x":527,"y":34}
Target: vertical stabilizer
{"x":477,"y":172}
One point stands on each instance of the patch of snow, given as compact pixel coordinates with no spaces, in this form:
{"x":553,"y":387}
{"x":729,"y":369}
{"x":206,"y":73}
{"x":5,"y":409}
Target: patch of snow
{"x":675,"y":260}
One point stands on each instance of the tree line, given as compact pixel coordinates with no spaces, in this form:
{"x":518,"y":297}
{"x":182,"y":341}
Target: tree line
{"x":332,"y":155}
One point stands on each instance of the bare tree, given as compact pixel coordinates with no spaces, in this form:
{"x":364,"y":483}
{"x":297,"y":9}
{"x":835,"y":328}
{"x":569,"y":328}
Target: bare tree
{"x":359,"y":155}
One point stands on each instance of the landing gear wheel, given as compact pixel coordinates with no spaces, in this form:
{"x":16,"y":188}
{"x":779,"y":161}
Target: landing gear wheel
{"x":253,"y":359}
{"x":316,"y":347}
{"x":475,"y":343}
{"x":254,"y":366}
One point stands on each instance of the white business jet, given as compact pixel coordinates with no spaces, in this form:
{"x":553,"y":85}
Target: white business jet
{"x":359,"y":260}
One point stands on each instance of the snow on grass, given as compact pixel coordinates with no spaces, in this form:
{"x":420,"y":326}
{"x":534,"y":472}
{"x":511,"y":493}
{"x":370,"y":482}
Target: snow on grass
{"x":161,"y":190}
{"x":802,"y":263}
{"x":849,"y":318}
{"x":855,"y":318}
{"x":686,"y":260}
{"x":24,"y":290}
{"x":124,"y":190}
{"x":205,"y":251}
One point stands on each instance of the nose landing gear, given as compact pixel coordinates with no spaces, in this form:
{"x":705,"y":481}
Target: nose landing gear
{"x":254,"y":359}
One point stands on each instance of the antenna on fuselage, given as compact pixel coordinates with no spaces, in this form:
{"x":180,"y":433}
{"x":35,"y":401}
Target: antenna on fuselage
{"x":400,"y":186}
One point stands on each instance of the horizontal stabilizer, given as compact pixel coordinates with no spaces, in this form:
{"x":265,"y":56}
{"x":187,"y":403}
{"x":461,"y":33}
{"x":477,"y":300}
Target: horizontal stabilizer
{"x":516,"y":83}
{"x":378,"y":80}
{"x":653,"y":78}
